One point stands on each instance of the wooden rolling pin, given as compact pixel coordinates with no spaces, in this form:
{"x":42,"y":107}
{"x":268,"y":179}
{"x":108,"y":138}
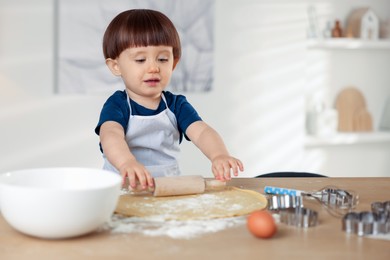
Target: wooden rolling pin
{"x":180,"y":185}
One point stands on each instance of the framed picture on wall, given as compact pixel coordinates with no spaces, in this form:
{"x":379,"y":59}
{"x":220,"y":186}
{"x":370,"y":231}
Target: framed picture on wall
{"x":80,"y":25}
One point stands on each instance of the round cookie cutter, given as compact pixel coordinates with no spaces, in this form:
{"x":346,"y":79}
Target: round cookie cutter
{"x":284,"y":201}
{"x":299,"y":217}
{"x":291,"y":211}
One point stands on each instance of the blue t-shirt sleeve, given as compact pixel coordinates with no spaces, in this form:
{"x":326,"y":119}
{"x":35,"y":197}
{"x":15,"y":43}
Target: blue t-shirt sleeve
{"x":115,"y":109}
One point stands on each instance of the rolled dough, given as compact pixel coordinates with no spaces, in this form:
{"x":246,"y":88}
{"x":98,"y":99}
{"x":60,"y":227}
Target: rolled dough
{"x":229,"y":202}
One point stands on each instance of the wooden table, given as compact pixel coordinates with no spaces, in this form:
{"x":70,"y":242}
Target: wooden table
{"x":325,"y":241}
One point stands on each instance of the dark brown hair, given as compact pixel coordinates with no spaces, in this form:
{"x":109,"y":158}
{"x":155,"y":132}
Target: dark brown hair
{"x":139,"y":28}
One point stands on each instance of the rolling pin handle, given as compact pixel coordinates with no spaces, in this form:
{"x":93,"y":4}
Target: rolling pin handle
{"x":215,"y":185}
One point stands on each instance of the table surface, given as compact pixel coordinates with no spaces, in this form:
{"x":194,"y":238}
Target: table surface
{"x":325,"y":241}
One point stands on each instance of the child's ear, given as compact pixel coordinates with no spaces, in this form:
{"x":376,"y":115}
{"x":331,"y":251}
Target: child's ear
{"x":113,"y":66}
{"x":175,"y":62}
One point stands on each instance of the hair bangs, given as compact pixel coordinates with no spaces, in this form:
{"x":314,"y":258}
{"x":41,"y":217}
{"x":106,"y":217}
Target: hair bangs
{"x":140,"y":28}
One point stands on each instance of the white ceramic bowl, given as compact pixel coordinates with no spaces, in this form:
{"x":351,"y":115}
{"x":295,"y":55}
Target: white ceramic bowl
{"x":58,"y":202}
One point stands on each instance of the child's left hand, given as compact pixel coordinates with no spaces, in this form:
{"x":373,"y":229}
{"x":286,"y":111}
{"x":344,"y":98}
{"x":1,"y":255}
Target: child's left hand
{"x":224,"y":165}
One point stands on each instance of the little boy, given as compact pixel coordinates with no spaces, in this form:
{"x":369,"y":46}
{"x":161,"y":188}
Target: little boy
{"x":141,"y":127}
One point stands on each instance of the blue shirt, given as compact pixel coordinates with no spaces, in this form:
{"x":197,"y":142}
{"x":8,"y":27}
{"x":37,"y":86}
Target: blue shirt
{"x":117,"y":109}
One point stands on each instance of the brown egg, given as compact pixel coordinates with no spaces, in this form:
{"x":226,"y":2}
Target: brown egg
{"x":261,"y":224}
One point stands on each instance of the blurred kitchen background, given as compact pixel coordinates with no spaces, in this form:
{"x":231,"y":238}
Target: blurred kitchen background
{"x":288,"y":93}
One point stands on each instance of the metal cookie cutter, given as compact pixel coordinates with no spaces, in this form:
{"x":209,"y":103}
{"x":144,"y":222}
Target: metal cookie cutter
{"x":363,"y":223}
{"x":281,"y":202}
{"x":338,"y":198}
{"x":300,"y":217}
{"x":291,"y":210}
{"x":383,"y":211}
{"x":369,"y":223}
{"x":381,"y":208}
{"x":336,"y":201}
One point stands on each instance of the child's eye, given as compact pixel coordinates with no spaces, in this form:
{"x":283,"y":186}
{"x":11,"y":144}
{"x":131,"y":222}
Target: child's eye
{"x":140,"y":60}
{"x":163,"y":59}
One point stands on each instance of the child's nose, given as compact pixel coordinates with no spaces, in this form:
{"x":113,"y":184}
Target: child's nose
{"x":153,"y":67}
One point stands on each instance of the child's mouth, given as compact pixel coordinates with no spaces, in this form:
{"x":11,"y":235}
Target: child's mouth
{"x":152,"y":80}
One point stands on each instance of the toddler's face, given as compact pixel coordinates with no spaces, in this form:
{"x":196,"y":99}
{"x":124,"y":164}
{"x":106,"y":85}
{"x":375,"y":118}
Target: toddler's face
{"x":146,"y":71}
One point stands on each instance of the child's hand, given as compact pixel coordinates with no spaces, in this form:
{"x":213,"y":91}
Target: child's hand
{"x":136,"y":174}
{"x":223,"y":165}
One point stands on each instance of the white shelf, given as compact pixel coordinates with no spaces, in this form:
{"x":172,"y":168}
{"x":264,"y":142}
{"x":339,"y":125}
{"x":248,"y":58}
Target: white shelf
{"x":348,"y":43}
{"x":347,"y":139}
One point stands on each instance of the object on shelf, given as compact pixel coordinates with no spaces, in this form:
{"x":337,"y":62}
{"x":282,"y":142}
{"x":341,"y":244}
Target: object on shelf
{"x":321,"y":123}
{"x":385,"y":121}
{"x":352,"y":111}
{"x":363,"y":23}
{"x":328,"y":30}
{"x":385,"y":29}
{"x":320,"y":119}
{"x":337,"y":32}
{"x":313,"y":31}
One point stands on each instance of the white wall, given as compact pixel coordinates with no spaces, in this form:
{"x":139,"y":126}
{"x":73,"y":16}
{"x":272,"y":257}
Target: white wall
{"x":26,"y":46}
{"x":257,"y":104}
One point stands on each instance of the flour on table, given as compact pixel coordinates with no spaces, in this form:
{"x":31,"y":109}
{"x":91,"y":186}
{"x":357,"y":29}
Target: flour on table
{"x":380,"y":236}
{"x":175,"y":229}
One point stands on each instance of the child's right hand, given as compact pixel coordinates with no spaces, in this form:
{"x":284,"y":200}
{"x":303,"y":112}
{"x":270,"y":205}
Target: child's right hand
{"x":136,"y":173}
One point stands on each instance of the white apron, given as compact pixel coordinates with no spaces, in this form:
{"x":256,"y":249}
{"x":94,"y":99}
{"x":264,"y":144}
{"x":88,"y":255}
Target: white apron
{"x":154,"y":141}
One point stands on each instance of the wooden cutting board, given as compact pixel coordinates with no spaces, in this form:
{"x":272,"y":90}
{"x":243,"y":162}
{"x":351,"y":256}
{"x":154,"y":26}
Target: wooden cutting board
{"x":352,"y":111}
